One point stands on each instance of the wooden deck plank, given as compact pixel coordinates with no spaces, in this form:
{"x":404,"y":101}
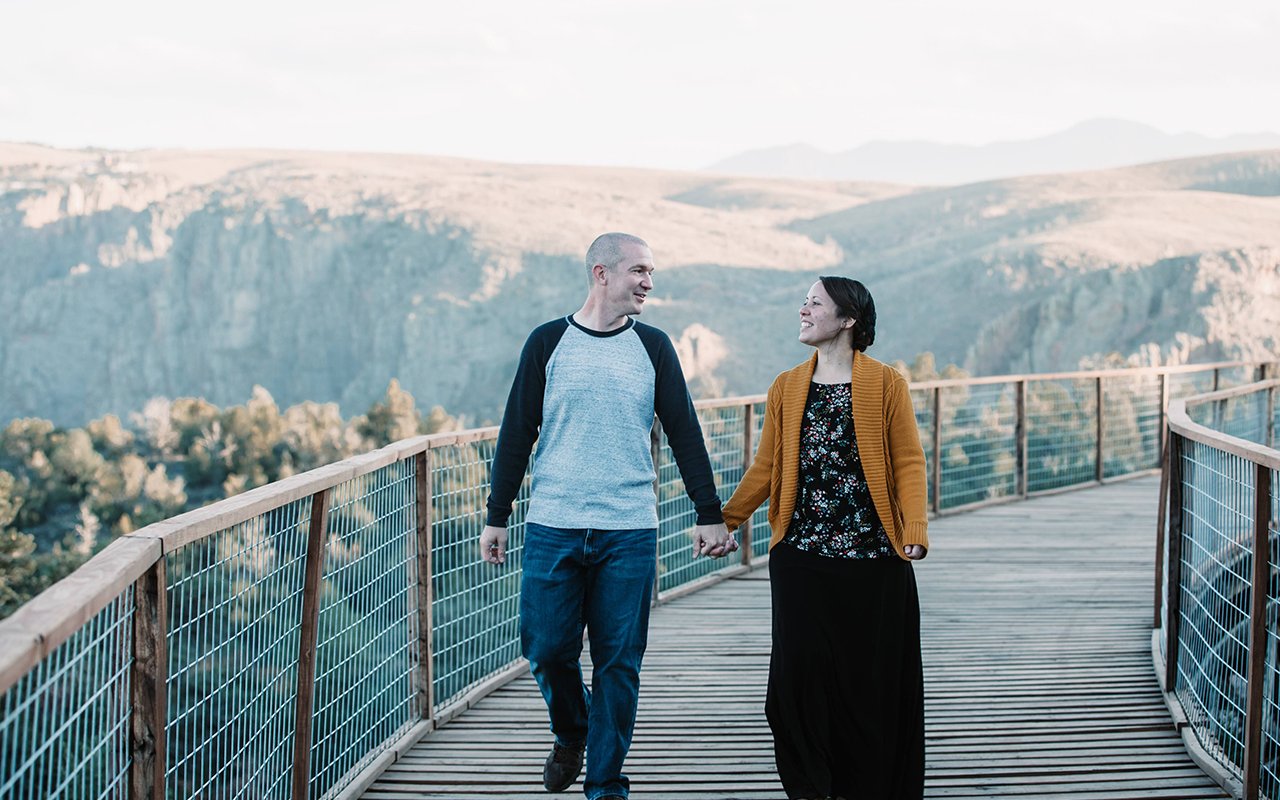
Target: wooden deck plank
{"x":1038,"y":676}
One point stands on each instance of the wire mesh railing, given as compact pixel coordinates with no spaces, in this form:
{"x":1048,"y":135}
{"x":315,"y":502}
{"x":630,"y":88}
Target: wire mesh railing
{"x":1216,"y":555}
{"x":65,"y":723}
{"x":1220,"y":582}
{"x":234,"y":603}
{"x":281,"y":643}
{"x":978,"y":444}
{"x":723,"y":432}
{"x":367,"y":627}
{"x":475,"y":607}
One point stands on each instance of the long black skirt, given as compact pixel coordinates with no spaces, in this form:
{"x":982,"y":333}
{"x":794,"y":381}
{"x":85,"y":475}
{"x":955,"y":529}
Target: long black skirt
{"x":846,"y":686}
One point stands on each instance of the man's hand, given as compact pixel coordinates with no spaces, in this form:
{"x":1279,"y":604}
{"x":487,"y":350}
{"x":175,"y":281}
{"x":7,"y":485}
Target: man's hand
{"x":713,"y":540}
{"x":915,"y":552}
{"x":493,"y":545}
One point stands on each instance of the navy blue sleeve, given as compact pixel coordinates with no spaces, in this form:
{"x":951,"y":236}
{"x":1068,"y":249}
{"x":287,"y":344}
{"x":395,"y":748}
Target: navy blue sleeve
{"x":521,"y":421}
{"x":679,"y":420}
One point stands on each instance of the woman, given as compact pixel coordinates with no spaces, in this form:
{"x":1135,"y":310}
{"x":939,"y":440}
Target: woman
{"x":841,"y":464}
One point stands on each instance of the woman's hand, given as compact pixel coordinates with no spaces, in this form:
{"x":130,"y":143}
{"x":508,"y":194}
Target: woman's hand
{"x":713,"y":540}
{"x":915,"y":552}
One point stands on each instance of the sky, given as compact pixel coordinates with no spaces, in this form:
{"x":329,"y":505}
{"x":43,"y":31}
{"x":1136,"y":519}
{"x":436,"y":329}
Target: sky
{"x":653,"y":83}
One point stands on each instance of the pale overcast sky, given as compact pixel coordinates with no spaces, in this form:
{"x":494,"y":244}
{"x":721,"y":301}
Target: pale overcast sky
{"x":663,"y":83}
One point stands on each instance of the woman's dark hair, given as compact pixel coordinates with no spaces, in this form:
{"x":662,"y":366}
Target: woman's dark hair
{"x":853,"y":300}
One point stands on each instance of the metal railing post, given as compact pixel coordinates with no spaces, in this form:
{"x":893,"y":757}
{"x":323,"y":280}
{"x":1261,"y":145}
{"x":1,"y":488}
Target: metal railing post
{"x":1173,"y":589}
{"x":748,"y":434}
{"x":149,"y":675}
{"x":1020,"y":431}
{"x":1253,"y":742}
{"x":308,"y":643}
{"x":937,"y":449}
{"x":425,"y":677}
{"x":1099,"y":469}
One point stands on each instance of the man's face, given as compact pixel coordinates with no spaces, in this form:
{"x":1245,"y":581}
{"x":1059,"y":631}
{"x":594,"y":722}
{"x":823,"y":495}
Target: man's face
{"x":630,"y":282}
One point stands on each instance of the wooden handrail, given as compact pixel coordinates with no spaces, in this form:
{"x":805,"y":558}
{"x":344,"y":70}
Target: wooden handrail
{"x":950,"y":383}
{"x":1180,"y":423}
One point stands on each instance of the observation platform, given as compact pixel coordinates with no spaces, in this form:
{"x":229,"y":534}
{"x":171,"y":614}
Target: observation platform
{"x":332,"y":635}
{"x":1038,"y":676}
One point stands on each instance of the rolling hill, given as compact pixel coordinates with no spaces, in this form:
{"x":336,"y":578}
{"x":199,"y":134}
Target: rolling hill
{"x":321,"y":276}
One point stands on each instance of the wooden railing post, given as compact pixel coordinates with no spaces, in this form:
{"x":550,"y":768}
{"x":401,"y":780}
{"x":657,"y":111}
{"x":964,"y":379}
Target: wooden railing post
{"x":425,"y":677}
{"x":748,"y":435}
{"x":307,"y":644}
{"x":1020,"y":431}
{"x":937,"y":449}
{"x":1099,"y":469}
{"x":1173,"y":591}
{"x":1162,"y":505}
{"x":655,"y":450}
{"x":1164,"y":414}
{"x":148,"y":678}
{"x":1253,"y":742}
{"x":1217,"y":375}
{"x":1271,"y":417}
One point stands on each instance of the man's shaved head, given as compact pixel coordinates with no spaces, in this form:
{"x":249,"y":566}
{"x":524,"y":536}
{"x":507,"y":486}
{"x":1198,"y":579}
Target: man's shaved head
{"x":607,"y":249}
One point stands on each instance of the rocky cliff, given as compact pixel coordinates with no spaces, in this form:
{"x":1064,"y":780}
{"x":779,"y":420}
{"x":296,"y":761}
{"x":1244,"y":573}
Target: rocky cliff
{"x":128,"y":275}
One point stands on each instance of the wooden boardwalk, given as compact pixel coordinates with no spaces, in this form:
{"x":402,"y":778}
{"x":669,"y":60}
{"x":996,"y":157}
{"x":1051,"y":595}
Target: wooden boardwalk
{"x":1039,"y":681}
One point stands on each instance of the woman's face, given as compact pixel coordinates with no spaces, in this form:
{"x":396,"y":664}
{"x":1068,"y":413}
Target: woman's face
{"x":820,"y":322}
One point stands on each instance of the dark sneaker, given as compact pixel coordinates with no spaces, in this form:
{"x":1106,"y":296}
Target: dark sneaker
{"x":564,"y":765}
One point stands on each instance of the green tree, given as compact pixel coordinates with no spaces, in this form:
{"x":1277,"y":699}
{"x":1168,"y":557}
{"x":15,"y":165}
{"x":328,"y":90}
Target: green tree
{"x":192,"y":418}
{"x":253,"y":433}
{"x":156,"y":425}
{"x":438,"y":420}
{"x":315,"y":434}
{"x":16,"y":565}
{"x":110,"y":437}
{"x":25,"y":439}
{"x":393,"y":418}
{"x":75,"y":465}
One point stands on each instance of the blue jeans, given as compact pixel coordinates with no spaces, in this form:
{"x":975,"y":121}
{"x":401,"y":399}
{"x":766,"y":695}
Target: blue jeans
{"x":602,"y":580}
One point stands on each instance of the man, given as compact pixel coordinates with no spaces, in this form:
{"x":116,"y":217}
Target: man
{"x":587,"y":388}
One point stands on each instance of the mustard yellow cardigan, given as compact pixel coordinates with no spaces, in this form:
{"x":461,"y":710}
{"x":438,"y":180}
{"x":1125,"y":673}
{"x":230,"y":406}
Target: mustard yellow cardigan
{"x":888,"y":446}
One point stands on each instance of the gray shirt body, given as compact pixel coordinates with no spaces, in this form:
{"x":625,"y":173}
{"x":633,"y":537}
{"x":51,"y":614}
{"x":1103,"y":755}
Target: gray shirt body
{"x":588,"y":398}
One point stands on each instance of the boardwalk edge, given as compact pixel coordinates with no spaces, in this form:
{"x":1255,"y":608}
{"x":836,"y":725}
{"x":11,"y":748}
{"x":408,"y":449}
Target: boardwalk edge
{"x":1211,"y":766}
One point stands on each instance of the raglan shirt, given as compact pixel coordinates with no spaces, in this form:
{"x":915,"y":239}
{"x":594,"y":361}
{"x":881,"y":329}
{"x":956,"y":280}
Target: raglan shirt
{"x":588,"y":399}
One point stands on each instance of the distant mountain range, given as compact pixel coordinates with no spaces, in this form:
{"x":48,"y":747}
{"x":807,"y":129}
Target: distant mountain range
{"x":321,"y":276}
{"x":1096,"y":144}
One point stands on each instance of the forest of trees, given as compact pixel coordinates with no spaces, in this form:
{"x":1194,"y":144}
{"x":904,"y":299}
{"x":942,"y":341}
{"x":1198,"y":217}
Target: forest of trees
{"x":66,"y":493}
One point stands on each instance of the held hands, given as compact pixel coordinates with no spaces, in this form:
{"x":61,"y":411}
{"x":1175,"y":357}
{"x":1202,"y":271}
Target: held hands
{"x":493,"y":545}
{"x":713,"y":540}
{"x":915,"y":552}
{"x":708,"y":540}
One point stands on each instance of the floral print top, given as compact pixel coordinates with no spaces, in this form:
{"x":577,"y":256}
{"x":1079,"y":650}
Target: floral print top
{"x":835,"y":515}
